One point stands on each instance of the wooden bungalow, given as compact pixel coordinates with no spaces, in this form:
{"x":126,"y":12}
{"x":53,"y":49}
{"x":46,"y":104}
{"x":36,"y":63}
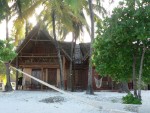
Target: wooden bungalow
{"x":37,"y":56}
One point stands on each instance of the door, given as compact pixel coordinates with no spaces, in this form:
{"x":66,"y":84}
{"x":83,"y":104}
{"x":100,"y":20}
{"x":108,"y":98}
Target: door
{"x":52,"y":76}
{"x":37,"y":74}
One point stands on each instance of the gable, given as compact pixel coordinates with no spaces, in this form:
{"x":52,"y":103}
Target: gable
{"x":39,"y":42}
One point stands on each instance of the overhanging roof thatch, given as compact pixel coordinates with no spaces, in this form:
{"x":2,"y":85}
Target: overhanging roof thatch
{"x":37,"y":34}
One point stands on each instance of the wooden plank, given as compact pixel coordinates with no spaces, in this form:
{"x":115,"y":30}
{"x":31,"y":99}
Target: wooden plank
{"x":46,"y":75}
{"x":42,"y":77}
{"x":39,"y":66}
{"x":64,"y":73}
{"x":43,"y":53}
{"x":64,"y":68}
{"x":52,"y":76}
{"x":40,"y":40}
{"x":38,"y":56}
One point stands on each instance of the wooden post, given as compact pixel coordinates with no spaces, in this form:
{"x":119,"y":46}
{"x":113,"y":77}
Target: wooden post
{"x":17,"y":73}
{"x":23,"y":87}
{"x":42,"y":77}
{"x":64,"y":72}
{"x":46,"y":76}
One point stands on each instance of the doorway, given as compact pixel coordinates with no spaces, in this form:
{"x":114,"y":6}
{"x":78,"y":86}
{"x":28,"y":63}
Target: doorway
{"x":52,"y":76}
{"x":37,"y":74}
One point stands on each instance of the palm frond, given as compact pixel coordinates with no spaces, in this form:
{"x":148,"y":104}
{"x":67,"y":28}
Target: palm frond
{"x":19,"y":25}
{"x":4,"y":9}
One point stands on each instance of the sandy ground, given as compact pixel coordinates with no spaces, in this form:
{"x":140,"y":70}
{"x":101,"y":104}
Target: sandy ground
{"x":54,"y":102}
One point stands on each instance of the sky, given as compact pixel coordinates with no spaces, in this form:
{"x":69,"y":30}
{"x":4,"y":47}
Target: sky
{"x":85,"y":36}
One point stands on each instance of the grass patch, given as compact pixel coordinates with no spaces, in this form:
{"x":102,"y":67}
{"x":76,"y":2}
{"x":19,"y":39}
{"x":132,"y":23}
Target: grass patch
{"x":131,"y":99}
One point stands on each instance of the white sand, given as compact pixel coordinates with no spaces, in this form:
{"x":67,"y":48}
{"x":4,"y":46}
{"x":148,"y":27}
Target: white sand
{"x":29,"y":102}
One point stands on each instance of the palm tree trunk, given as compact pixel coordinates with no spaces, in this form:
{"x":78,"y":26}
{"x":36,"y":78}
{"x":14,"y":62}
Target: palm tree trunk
{"x":58,"y":52}
{"x":8,"y":86}
{"x":90,"y":84}
{"x":140,"y":73}
{"x":74,"y":66}
{"x":70,"y":68}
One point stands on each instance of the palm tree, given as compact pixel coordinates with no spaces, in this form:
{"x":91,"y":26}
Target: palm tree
{"x":90,"y":86}
{"x":79,"y":22}
{"x":64,"y":19}
{"x":74,"y":26}
{"x":52,"y":17}
{"x":8,"y":86}
{"x":77,"y":6}
{"x":58,"y":51}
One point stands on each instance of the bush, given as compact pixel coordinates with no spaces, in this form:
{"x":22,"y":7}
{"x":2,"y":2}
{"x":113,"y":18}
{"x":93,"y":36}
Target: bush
{"x":131,"y":99}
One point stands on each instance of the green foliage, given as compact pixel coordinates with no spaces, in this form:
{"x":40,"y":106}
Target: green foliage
{"x":146,"y":67}
{"x":26,"y":9}
{"x":6,"y":51}
{"x":131,"y":99}
{"x":66,"y":18}
{"x":4,"y":9}
{"x":2,"y":69}
{"x":76,"y":5}
{"x":114,"y":48}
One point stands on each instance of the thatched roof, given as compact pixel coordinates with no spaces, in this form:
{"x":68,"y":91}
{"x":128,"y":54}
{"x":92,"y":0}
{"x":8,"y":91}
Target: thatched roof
{"x":37,"y":34}
{"x":85,"y":49}
{"x":66,"y":48}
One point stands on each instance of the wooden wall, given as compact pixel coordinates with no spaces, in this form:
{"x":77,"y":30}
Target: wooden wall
{"x":26,"y":80}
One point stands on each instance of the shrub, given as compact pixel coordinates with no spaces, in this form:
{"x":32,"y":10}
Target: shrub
{"x":131,"y":99}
